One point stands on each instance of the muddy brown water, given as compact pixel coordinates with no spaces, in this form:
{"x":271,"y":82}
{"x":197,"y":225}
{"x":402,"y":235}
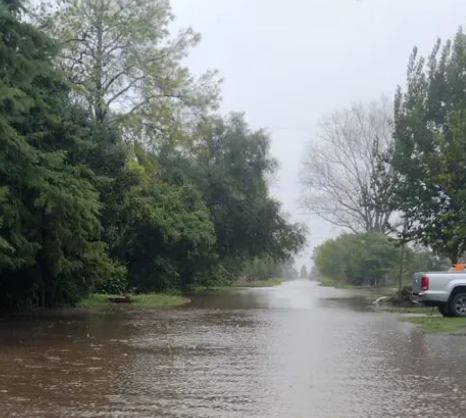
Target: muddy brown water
{"x":297,"y":350}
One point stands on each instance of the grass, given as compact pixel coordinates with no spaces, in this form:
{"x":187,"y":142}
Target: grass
{"x":410,"y":309}
{"x":238,"y":285}
{"x":439,"y":324}
{"x":324,"y":282}
{"x":368,"y":293}
{"x":259,"y":283}
{"x":154,"y":300}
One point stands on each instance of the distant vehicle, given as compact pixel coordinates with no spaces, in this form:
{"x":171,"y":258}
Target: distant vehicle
{"x":445,"y":290}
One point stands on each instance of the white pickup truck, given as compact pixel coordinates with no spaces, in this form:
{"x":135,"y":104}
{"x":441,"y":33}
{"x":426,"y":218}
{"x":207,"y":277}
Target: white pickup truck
{"x":443,"y":289}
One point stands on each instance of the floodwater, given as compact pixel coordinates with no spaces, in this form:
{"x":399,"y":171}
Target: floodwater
{"x":297,"y":350}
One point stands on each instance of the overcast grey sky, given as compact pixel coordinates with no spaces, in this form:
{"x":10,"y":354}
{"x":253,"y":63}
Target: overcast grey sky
{"x":287,"y":63}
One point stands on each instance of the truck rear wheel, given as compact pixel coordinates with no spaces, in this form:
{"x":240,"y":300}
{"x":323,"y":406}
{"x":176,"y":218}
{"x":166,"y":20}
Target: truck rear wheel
{"x":457,"y":305}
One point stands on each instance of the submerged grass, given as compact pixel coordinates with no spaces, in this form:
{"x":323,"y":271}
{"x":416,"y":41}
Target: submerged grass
{"x":238,"y":285}
{"x":324,"y":282}
{"x":260,"y":283}
{"x":154,"y":300}
{"x":438,"y":324}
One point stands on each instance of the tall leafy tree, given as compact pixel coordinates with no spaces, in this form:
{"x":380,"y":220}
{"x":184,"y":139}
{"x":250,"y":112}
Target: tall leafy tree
{"x":428,"y":155}
{"x":81,"y":209}
{"x":120,"y":56}
{"x":51,"y":250}
{"x":232,"y":167}
{"x":170,"y":241}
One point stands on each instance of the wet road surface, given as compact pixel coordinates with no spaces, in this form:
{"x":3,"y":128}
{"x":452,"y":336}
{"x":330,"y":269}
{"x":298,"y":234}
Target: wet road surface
{"x":297,"y":350}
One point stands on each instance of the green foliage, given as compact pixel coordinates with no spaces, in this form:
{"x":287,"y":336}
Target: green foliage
{"x":428,"y":156}
{"x":117,"y":284}
{"x":83,"y":210}
{"x":423,"y":260}
{"x":170,"y":242}
{"x":331,"y":257}
{"x":51,"y":251}
{"x":371,"y":259}
{"x":152,"y":300}
{"x":261,"y":269}
{"x":359,"y":259}
{"x":232,"y":165}
{"x":120,"y":56}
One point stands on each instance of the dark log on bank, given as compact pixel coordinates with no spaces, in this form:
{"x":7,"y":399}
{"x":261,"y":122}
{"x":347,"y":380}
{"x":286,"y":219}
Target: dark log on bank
{"x":121,"y":299}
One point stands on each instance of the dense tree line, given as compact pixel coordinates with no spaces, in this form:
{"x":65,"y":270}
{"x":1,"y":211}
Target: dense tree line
{"x":265,"y":268}
{"x":371,"y":259}
{"x":404,"y":167}
{"x":115,"y":172}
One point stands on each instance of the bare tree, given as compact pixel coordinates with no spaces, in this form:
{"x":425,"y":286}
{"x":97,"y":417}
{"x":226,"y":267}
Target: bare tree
{"x":338,"y":169}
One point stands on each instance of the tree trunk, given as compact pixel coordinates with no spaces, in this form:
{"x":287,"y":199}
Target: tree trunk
{"x":402,"y":260}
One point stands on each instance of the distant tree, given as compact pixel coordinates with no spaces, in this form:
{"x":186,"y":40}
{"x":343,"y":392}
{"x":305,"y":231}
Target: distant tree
{"x":303,"y":274}
{"x":371,"y":259}
{"x":422,"y":259}
{"x":339,"y":167}
{"x":357,"y":258}
{"x":288,"y":270}
{"x":261,"y":269}
{"x":314,"y":273}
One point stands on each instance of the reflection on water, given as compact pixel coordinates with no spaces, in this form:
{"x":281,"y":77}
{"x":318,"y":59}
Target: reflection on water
{"x":297,"y":350}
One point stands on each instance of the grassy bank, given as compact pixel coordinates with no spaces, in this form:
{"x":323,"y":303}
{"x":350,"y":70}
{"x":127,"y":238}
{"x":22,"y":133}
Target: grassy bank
{"x":426,"y":319}
{"x":368,"y":292}
{"x":238,"y":285}
{"x":324,"y":282}
{"x":438,"y":324}
{"x":410,"y":309}
{"x":154,"y":300}
{"x":259,"y":283}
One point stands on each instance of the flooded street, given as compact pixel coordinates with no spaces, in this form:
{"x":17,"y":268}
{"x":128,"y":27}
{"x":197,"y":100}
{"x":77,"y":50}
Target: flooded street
{"x":297,"y":350}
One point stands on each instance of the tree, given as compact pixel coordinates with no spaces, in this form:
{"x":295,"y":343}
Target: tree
{"x":170,"y":243}
{"x":232,"y":166}
{"x":331,"y":257}
{"x":372,"y":259}
{"x":429,"y":153}
{"x":303,"y":274}
{"x":83,"y":210}
{"x":358,"y":259}
{"x":261,"y":269}
{"x":119,"y":55}
{"x":288,"y":270}
{"x":50,"y":251}
{"x":338,"y":171}
{"x":204,"y":215}
{"x":422,"y":259}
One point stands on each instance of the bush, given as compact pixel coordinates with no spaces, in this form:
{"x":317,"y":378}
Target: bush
{"x":116,"y":285}
{"x":402,"y":297}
